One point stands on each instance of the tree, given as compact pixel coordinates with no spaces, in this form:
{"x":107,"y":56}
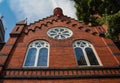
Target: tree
{"x":114,"y":26}
{"x":99,"y":12}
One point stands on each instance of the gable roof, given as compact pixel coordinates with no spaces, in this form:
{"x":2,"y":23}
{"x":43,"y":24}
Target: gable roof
{"x":59,"y":16}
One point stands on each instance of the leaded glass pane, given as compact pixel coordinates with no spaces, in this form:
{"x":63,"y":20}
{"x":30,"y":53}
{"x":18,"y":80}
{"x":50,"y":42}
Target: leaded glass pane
{"x":37,"y":54}
{"x":61,"y":30}
{"x":91,"y":56}
{"x":52,"y":32}
{"x":80,"y":56}
{"x":43,"y":56}
{"x":30,"y":60}
{"x":85,"y":53}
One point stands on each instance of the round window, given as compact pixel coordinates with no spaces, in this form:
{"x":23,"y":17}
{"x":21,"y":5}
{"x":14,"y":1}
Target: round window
{"x":59,"y":33}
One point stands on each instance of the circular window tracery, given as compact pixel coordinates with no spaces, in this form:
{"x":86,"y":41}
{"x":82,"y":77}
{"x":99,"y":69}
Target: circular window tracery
{"x":59,"y":33}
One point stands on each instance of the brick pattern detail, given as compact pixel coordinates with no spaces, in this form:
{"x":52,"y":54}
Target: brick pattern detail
{"x":66,"y":81}
{"x":61,"y":51}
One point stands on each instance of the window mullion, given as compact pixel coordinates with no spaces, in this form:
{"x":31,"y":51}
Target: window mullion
{"x":36,"y":58}
{"x":86,"y":58}
{"x":47,"y":56}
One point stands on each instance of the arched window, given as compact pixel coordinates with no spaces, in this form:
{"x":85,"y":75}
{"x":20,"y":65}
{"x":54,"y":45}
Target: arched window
{"x":85,"y":53}
{"x":37,"y":54}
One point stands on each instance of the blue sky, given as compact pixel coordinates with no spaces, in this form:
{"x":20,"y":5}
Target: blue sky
{"x":9,"y":17}
{"x":17,"y":10}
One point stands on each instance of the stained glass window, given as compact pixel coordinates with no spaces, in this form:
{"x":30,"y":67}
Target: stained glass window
{"x":42,"y":58}
{"x":91,"y":56}
{"x":80,"y":56}
{"x":85,"y":53}
{"x":37,"y":54}
{"x":30,"y":60}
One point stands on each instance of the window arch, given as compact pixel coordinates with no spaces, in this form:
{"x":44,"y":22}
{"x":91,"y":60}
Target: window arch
{"x":37,"y":54}
{"x":85,"y":53}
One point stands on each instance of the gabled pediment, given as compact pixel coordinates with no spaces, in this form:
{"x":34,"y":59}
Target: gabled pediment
{"x":59,"y":17}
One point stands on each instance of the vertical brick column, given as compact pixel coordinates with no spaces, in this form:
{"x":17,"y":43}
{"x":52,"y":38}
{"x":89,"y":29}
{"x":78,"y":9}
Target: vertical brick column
{"x":7,"y":49}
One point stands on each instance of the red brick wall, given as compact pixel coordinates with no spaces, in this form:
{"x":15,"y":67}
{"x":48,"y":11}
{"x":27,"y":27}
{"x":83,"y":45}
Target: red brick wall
{"x":66,"y":81}
{"x":61,"y":51}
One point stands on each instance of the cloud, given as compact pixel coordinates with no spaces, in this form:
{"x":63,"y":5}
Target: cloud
{"x":38,"y":9}
{"x":1,"y":1}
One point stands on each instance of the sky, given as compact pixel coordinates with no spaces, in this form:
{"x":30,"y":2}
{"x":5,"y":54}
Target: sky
{"x":14,"y":11}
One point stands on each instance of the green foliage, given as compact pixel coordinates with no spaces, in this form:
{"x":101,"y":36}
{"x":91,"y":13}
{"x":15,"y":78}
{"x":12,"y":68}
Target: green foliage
{"x":113,"y":22}
{"x":114,"y":26}
{"x":99,"y":12}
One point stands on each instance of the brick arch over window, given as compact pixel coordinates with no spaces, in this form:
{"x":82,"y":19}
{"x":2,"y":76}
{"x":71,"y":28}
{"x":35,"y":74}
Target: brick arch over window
{"x":37,"y":54}
{"x":85,"y":54}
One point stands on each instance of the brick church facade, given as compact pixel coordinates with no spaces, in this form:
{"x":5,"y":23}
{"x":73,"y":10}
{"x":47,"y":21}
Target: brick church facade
{"x":59,"y":49}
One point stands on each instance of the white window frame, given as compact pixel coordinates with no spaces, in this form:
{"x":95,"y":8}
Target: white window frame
{"x":85,"y":55}
{"x":37,"y":53}
{"x":59,"y":32}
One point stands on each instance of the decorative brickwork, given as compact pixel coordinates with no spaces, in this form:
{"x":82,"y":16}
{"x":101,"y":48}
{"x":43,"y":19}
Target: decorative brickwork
{"x":62,"y":62}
